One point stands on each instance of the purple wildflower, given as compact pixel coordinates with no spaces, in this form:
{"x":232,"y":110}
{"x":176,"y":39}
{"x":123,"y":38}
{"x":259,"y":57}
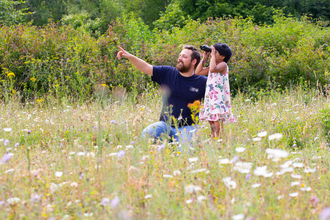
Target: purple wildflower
{"x":2,"y":202}
{"x":179,"y":118}
{"x":121,"y":154}
{"x":105,"y":201}
{"x":112,"y":122}
{"x":6,"y":158}
{"x":35,"y":198}
{"x":6,"y":142}
{"x":247,"y":177}
{"x":294,"y":145}
{"x":235,"y":158}
{"x":132,"y":142}
{"x":325,"y":214}
{"x":81,"y":176}
{"x":28,"y":131}
{"x":315,"y":200}
{"x":95,"y":127}
{"x":161,"y":147}
{"x":17,"y":144}
{"x":114,"y":202}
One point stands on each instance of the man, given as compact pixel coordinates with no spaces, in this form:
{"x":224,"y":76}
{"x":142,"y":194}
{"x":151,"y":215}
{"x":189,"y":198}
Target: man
{"x":180,"y":87}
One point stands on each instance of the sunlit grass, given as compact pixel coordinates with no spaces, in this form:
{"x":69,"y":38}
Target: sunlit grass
{"x":78,"y":160}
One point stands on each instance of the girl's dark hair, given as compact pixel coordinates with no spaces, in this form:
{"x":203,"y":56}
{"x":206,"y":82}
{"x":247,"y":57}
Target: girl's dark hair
{"x":224,"y":50}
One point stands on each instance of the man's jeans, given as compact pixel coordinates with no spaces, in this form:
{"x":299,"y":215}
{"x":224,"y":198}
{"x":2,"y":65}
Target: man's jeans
{"x":182,"y":135}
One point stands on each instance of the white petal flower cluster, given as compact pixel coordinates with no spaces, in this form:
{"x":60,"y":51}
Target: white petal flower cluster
{"x":262,"y":171}
{"x":230,"y":184}
{"x":243,"y":167}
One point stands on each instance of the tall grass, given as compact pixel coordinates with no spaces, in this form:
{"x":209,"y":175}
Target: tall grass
{"x":57,"y":169}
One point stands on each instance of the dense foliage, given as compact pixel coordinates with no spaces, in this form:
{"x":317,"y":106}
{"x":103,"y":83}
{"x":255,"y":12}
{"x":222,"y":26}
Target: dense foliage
{"x":60,"y":59}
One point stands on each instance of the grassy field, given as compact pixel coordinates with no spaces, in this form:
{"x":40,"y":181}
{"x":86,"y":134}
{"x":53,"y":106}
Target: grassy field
{"x":88,"y":160}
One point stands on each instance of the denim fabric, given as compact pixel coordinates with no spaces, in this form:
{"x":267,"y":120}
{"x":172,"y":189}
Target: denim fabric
{"x":182,"y":135}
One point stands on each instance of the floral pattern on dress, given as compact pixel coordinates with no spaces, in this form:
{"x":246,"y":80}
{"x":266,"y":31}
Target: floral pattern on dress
{"x":217,"y":105}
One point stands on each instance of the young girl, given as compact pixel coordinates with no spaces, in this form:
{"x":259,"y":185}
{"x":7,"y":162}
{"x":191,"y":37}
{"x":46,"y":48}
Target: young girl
{"x":216,"y":108}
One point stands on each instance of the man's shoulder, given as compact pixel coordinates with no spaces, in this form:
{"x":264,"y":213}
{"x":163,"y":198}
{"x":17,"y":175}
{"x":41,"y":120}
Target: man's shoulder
{"x":166,"y":69}
{"x":200,"y":78}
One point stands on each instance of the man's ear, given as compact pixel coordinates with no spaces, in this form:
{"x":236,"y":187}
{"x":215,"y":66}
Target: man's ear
{"x":193,"y":62}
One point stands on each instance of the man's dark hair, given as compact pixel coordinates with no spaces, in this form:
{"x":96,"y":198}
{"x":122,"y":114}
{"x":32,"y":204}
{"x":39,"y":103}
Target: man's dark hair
{"x":195,"y":53}
{"x":224,"y":50}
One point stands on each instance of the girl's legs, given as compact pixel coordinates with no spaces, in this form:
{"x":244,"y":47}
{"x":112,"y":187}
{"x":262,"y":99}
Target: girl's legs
{"x":215,"y":128}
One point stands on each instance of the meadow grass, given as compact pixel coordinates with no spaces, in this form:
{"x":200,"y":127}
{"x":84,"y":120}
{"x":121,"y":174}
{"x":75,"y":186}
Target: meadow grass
{"x":88,"y":160}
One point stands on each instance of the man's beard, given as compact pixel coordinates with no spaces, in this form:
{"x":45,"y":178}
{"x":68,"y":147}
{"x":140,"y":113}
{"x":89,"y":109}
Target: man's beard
{"x":182,"y":68}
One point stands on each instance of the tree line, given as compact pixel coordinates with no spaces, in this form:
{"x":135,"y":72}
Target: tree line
{"x":96,"y":15}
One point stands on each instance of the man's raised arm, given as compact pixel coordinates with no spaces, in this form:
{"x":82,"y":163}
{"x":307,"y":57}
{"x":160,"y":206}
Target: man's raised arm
{"x":137,"y":62}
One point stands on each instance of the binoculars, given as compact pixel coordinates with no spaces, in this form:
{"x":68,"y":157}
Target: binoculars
{"x":206,"y":48}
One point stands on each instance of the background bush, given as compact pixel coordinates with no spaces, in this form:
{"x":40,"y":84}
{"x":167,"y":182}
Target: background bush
{"x":61,"y":60}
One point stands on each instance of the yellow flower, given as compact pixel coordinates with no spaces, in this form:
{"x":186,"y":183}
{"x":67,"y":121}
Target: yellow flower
{"x":103,"y":85}
{"x":33,"y":79}
{"x":40,"y":100}
{"x":179,"y":152}
{"x":13,"y":91}
{"x":11,"y":74}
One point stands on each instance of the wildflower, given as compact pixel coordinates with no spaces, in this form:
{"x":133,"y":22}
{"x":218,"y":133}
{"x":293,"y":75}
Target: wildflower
{"x":6,"y":142}
{"x":262,"y":134}
{"x":309,"y":170}
{"x":161,"y":147}
{"x":243,"y":167}
{"x":167,"y":176}
{"x":276,"y":136}
{"x":114,"y":202}
{"x":315,"y":200}
{"x":189,"y":201}
{"x":191,"y":189}
{"x":279,"y":197}
{"x":238,"y":217}
{"x":58,"y":174}
{"x":112,"y":122}
{"x":240,"y":149}
{"x":6,"y":158}
{"x":103,"y":85}
{"x":121,"y":154}
{"x":35,"y":198}
{"x":296,"y":176}
{"x":16,"y":145}
{"x":13,"y":201}
{"x":179,"y":152}
{"x":7,"y":129}
{"x":90,"y":154}
{"x":74,"y":184}
{"x":294,"y":194}
{"x":10,"y":171}
{"x":307,"y":189}
{"x":325,"y":214}
{"x":53,"y":187}
{"x":201,"y":198}
{"x":298,"y":165}
{"x":193,"y":159}
{"x":11,"y":74}
{"x":200,"y":170}
{"x":295,"y":183}
{"x":148,"y":196}
{"x":224,"y":161}
{"x":229,"y":183}
{"x":105,"y":201}
{"x":247,"y":176}
{"x":81,"y":176}
{"x":235,"y":158}
{"x":276,"y":153}
{"x":262,"y":171}
{"x":256,"y":139}
{"x":88,"y":214}
{"x":176,"y":173}
{"x":256,"y":185}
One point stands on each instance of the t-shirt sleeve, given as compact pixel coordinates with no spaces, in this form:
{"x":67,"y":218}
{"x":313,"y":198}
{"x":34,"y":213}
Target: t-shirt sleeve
{"x":159,"y":74}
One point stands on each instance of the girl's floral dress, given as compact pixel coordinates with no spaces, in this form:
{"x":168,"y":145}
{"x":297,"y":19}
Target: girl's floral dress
{"x":217,"y":104}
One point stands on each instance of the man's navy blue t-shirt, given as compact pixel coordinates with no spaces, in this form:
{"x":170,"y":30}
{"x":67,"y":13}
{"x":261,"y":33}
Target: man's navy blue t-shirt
{"x":178,"y":92}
